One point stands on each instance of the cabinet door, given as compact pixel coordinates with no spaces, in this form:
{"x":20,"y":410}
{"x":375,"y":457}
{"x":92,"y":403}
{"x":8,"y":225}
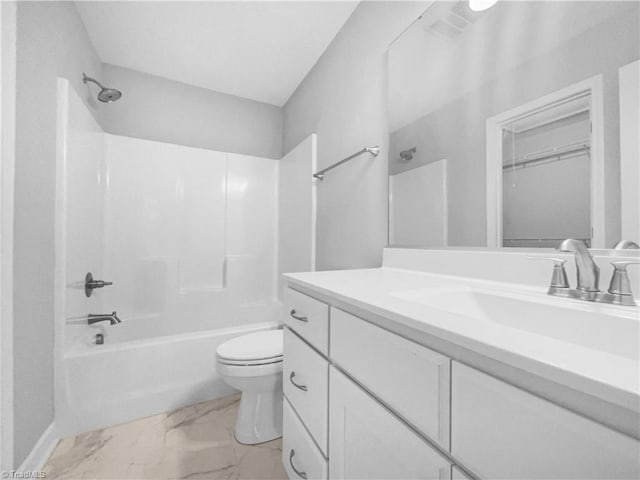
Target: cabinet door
{"x":367,"y":441}
{"x":410,"y":379}
{"x":500,"y":431}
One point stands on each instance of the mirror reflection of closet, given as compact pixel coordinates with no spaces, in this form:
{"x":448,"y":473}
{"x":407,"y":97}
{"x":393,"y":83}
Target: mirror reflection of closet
{"x":546,"y":172}
{"x":453,"y":70}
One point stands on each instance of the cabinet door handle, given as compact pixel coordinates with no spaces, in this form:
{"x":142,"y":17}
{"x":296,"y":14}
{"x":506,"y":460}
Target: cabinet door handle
{"x":298,"y":317}
{"x":297,"y":385}
{"x":300,"y":474}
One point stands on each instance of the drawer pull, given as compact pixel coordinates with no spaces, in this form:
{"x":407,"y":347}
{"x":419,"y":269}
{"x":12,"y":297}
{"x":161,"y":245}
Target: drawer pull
{"x":300,"y":474}
{"x":297,"y":317}
{"x":297,"y":385}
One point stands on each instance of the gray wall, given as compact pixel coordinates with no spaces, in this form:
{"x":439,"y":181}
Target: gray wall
{"x":158,"y":109}
{"x":457,"y":131}
{"x":344,"y":100}
{"x":51,"y":42}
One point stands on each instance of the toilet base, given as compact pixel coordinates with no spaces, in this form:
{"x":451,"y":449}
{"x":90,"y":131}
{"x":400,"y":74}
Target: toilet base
{"x":259,"y":417}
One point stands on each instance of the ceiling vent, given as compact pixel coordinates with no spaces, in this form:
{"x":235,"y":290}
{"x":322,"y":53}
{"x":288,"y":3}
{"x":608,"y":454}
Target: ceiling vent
{"x":445,"y":29}
{"x":450,"y":22}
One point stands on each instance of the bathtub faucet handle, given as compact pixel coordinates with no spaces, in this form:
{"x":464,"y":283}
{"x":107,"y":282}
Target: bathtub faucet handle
{"x":90,"y":284}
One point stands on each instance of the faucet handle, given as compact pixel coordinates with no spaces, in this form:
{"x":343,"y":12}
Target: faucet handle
{"x":626,"y":245}
{"x":620,"y":284}
{"x":90,"y":284}
{"x":559,"y":276}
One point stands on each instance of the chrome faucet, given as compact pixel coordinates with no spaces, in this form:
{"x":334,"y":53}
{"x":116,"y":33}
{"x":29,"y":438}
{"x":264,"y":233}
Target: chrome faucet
{"x":626,"y":245}
{"x":588,"y":271}
{"x":103,"y":317}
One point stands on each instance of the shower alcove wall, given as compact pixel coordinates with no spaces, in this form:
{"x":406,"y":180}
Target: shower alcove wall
{"x":190,"y":239}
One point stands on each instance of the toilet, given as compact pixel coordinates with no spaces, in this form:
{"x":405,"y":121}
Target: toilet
{"x":252,"y":363}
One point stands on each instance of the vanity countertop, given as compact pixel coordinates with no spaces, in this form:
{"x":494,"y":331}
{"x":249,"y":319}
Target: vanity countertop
{"x":604,"y":362}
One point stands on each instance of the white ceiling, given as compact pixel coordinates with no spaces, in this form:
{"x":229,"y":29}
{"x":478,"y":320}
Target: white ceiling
{"x":258,"y":50}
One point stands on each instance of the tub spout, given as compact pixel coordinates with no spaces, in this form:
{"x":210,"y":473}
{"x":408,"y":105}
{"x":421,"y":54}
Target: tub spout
{"x":112,"y":318}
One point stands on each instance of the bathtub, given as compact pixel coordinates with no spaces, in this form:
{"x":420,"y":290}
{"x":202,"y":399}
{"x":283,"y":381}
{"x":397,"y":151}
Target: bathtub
{"x":133,"y":376}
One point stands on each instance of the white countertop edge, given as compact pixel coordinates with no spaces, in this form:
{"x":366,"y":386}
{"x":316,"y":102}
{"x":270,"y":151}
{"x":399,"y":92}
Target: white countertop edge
{"x":617,"y":395}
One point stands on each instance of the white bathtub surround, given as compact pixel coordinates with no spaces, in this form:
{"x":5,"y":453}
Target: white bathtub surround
{"x":190,"y":235}
{"x":297,"y":208}
{"x":189,"y":238}
{"x":80,"y":231}
{"x":500,"y":379}
{"x":192,"y":442}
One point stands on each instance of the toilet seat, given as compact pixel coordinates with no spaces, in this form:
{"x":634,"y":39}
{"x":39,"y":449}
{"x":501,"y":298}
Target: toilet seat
{"x":249,"y":363}
{"x":253,"y":349}
{"x":259,"y":370}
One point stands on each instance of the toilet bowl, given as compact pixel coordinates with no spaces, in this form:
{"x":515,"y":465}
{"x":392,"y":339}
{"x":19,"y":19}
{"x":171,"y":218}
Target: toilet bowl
{"x":252,"y":363}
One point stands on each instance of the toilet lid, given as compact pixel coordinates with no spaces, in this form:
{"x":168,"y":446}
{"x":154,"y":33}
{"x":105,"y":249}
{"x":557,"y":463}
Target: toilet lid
{"x":253,"y":346}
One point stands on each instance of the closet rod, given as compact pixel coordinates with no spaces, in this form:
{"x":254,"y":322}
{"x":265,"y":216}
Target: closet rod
{"x":525,"y":160}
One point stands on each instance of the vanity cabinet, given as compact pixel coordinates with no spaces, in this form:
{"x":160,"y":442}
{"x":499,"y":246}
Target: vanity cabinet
{"x":305,"y":384}
{"x":368,"y":441}
{"x":379,"y":405}
{"x":500,"y":431}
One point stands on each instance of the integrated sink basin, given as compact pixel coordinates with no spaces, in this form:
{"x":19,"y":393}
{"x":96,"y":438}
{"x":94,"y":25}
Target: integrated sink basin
{"x":588,"y":325}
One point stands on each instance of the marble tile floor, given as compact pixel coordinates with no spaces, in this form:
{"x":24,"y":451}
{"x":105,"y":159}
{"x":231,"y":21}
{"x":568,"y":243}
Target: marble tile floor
{"x":194,"y":442}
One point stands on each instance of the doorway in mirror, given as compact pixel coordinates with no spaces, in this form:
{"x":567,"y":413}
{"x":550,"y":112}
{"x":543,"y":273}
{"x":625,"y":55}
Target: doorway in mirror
{"x":544,"y":164}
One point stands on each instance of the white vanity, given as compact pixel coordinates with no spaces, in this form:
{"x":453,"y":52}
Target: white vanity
{"x":437,"y":366}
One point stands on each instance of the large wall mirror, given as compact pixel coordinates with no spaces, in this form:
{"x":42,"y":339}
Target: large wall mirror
{"x":516,"y":126}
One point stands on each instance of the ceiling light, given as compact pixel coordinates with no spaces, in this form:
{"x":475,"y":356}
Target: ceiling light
{"x":479,"y":5}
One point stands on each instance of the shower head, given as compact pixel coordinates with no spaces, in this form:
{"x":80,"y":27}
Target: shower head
{"x":407,"y":155}
{"x":105,"y":95}
{"x":108,"y":95}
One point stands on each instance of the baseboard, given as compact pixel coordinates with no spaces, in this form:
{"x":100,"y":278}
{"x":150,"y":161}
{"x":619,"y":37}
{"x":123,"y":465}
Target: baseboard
{"x":41,"y":451}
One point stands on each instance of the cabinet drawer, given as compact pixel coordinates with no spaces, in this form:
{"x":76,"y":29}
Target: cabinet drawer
{"x":300,"y":457}
{"x":309,"y":318}
{"x":305,"y":382}
{"x":411,"y":379}
{"x":500,"y":431}
{"x":368,"y":441}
